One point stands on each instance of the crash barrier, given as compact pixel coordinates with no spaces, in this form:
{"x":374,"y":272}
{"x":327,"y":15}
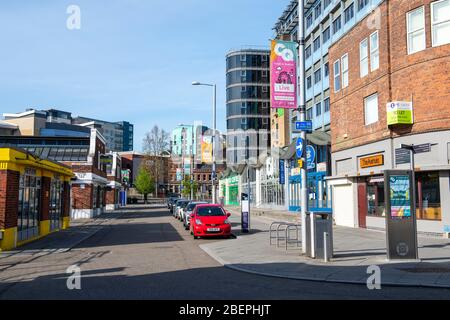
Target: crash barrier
{"x":282,"y":232}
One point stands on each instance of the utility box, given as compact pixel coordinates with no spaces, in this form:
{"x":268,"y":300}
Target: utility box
{"x":320,"y":227}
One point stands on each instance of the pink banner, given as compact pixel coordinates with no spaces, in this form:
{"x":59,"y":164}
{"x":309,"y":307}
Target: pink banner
{"x":283,"y":74}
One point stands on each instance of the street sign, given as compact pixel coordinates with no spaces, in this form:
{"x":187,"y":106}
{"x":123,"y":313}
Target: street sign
{"x":282,"y":172}
{"x":310,"y":157}
{"x":299,"y":147}
{"x":303,"y":125}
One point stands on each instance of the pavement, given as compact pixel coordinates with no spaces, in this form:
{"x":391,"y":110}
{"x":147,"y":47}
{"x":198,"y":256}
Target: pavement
{"x":354,"y":251}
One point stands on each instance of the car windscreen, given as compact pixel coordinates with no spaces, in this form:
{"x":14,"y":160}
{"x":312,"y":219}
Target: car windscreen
{"x":184,"y":204}
{"x":191,"y":206}
{"x":210,"y":211}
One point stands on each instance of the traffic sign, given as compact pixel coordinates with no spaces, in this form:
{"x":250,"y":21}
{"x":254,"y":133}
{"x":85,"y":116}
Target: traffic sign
{"x":303,"y":125}
{"x":310,"y":157}
{"x":299,"y":147}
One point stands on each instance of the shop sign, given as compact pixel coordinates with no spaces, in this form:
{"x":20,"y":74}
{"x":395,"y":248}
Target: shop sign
{"x":234,"y":180}
{"x":372,"y":161}
{"x":399,"y":112}
{"x":295,"y":171}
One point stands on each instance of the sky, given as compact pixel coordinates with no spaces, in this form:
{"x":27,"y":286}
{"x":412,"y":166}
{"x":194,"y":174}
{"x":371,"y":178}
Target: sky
{"x":130,"y":60}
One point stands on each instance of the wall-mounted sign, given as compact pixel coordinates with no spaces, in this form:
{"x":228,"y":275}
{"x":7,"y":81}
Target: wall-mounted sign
{"x":371,"y":161}
{"x":322,"y":167}
{"x":399,"y":112}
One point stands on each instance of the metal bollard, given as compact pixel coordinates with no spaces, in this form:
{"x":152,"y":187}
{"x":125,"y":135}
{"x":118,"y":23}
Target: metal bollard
{"x":325,"y":246}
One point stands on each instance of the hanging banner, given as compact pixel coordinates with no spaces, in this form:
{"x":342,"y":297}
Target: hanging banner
{"x":207,"y":149}
{"x":283,"y":74}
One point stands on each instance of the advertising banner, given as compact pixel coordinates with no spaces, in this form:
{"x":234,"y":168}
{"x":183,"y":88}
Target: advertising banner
{"x":283,"y":74}
{"x":399,"y":112}
{"x":399,"y":196}
{"x":207,"y":149}
{"x":179,"y":174}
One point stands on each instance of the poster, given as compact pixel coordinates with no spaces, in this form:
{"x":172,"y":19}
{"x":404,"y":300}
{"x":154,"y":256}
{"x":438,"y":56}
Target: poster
{"x":283,"y":74}
{"x":207,"y":149}
{"x":399,"y":188}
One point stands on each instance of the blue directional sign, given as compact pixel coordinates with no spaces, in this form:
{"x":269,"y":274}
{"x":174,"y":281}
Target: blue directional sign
{"x":299,"y":147}
{"x":310,"y":157}
{"x":303,"y":125}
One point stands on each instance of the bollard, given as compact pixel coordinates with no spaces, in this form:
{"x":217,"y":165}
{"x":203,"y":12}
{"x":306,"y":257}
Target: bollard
{"x":325,"y":246}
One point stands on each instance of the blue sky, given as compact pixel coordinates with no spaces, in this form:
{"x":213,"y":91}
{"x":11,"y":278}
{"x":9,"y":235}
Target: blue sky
{"x":131,"y":60}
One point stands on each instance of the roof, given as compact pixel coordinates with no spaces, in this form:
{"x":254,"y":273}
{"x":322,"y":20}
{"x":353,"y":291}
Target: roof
{"x":7,"y":125}
{"x":24,"y":114}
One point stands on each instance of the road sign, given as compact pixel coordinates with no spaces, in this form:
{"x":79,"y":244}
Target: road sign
{"x":303,"y":125}
{"x":299,"y":147}
{"x":310,"y":157}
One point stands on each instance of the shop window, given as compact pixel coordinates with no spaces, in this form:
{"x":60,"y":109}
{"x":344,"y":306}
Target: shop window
{"x":375,"y":197}
{"x":428,"y":197}
{"x":29,"y":205}
{"x":415,"y":24}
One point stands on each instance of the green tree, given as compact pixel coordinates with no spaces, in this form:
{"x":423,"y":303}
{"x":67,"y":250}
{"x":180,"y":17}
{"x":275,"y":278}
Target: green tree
{"x":188,"y":186}
{"x":144,"y":183}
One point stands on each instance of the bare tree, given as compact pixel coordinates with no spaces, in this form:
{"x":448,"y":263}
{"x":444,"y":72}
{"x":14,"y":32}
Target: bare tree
{"x":155,"y":145}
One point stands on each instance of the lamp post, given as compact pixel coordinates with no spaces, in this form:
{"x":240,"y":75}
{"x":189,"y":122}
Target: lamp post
{"x":302,"y":113}
{"x":213,"y":173}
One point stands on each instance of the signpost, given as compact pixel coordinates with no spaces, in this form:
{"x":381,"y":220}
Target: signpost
{"x":245,"y":212}
{"x":303,"y":126}
{"x":401,"y":227}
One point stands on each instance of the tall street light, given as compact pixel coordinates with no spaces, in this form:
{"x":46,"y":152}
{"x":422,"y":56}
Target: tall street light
{"x":213,"y":174}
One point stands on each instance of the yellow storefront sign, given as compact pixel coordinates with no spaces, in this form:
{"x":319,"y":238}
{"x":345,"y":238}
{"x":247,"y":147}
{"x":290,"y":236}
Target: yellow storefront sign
{"x":372,"y":161}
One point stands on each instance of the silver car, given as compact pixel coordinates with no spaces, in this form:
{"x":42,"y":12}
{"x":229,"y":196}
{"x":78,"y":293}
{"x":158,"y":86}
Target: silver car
{"x":187,"y":211}
{"x":179,"y":209}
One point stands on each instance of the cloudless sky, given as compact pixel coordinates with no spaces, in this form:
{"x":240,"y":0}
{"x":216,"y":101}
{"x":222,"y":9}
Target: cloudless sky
{"x":132,"y":60}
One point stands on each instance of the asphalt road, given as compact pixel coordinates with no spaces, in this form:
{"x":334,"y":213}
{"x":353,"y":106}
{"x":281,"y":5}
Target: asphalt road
{"x":147,"y":254}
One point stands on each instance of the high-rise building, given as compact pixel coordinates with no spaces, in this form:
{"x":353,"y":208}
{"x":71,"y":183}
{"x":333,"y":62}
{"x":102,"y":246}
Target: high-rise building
{"x":248,"y":105}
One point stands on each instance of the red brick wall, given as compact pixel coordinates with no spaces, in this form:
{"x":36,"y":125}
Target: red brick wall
{"x":422,"y":77}
{"x":9,"y":198}
{"x":82,"y":198}
{"x":111,"y":196}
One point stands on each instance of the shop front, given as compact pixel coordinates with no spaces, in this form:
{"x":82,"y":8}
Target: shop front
{"x":34,"y":197}
{"x":358,"y":181}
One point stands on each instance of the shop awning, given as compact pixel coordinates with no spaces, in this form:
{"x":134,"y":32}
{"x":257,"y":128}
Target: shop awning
{"x":319,"y":138}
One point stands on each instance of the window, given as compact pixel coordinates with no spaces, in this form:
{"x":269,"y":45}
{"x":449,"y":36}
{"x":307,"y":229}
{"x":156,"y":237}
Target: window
{"x":348,"y":13}
{"x":362,"y":4}
{"x":337,"y":25}
{"x":309,"y":114}
{"x":308,"y":82}
{"x":326,"y":35}
{"x":363,"y":58}
{"x":308,"y":52}
{"x":344,"y":63}
{"x":337,"y":76}
{"x":318,"y":109}
{"x":374,"y":52}
{"x":415,"y":24}
{"x":309,"y":21}
{"x":428,"y":196}
{"x":317,"y":10}
{"x":326,"y":68}
{"x":326,"y":104}
{"x":371,"y":109}
{"x":326,"y":3}
{"x":317,"y":76}
{"x":316,"y":44}
{"x":440,"y":22}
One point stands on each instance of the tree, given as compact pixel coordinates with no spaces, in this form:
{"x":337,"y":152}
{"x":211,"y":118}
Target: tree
{"x":144,"y":183}
{"x":155,"y":145}
{"x":188,"y":186}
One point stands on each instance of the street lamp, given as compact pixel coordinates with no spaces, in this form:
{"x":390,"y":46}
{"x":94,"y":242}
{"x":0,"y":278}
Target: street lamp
{"x":213,"y":174}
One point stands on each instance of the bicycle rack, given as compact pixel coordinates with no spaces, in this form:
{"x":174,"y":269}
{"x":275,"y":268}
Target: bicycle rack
{"x":285,"y":229}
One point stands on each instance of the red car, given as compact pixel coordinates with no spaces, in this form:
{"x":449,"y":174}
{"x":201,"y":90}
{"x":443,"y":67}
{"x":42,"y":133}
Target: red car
{"x":210,"y":220}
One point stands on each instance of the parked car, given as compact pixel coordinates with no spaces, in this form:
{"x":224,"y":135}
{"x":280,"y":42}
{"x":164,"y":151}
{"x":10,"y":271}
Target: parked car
{"x":186,"y":218}
{"x":210,"y":220}
{"x":180,"y":205}
{"x":170,"y":202}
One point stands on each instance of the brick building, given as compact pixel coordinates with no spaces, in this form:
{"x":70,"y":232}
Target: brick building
{"x":399,"y":53}
{"x":113,"y":163}
{"x":34,"y":197}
